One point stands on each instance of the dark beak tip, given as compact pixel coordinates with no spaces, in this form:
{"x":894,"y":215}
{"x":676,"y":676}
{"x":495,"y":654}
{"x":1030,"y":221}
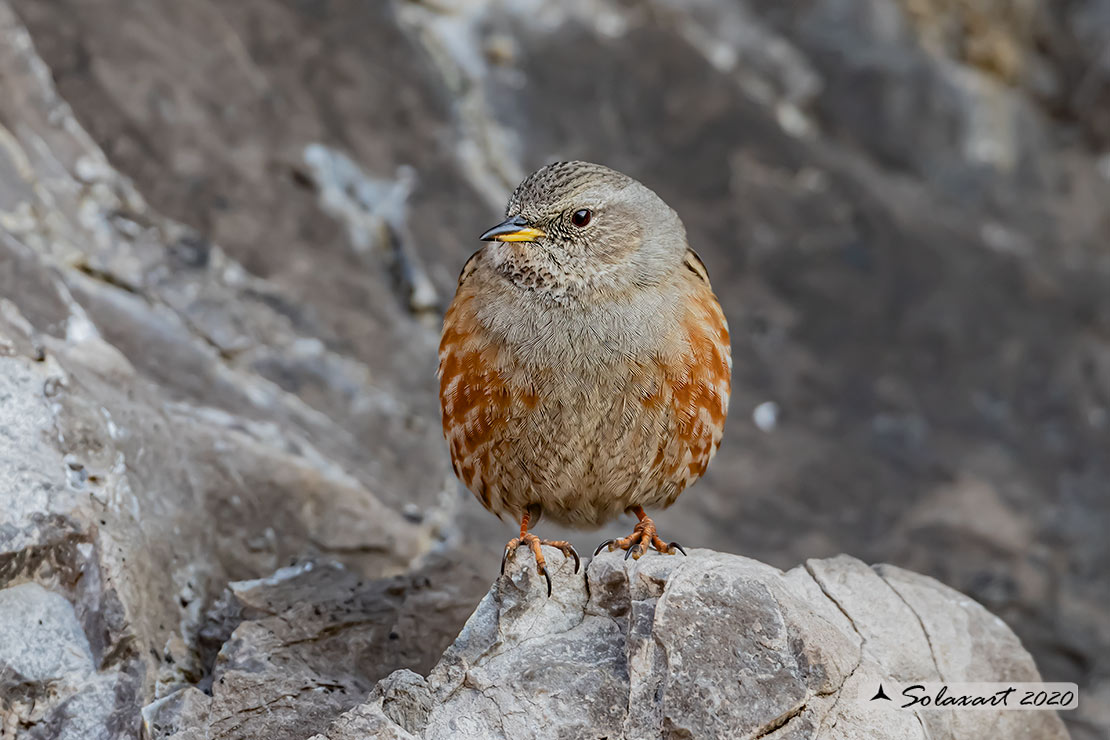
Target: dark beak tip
{"x":508,"y":226}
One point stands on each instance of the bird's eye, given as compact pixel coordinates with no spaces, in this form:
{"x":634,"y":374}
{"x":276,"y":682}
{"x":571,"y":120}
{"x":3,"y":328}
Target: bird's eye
{"x":581,"y":218}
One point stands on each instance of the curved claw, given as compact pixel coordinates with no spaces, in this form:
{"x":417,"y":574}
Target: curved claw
{"x":643,"y":539}
{"x":548,"y":577}
{"x":504,"y":559}
{"x":577,"y":562}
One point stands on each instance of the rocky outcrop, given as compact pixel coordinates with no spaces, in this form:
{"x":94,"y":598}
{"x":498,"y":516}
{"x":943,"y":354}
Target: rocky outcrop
{"x":149,"y":458}
{"x":707,"y":646}
{"x":292,"y":651}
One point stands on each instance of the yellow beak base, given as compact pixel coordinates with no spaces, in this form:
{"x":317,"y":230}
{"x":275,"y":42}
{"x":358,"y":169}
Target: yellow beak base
{"x":524,"y":235}
{"x":515,"y":229}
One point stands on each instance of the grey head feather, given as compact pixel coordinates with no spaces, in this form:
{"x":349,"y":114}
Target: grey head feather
{"x":633,"y":239}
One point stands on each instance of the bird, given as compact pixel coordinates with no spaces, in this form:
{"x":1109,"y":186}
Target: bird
{"x":584,"y":364}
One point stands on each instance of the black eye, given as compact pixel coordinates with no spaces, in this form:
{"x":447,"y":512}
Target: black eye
{"x":581,"y":218}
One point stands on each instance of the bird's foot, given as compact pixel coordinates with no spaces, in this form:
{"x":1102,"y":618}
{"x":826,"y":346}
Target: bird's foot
{"x":644,"y":535}
{"x":534,"y":542}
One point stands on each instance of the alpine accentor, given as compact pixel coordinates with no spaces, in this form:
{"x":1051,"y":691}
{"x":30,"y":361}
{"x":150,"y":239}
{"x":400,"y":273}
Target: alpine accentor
{"x":584,"y":366}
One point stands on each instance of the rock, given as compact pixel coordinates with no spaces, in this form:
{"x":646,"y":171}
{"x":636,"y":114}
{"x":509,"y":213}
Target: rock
{"x":145,"y":464}
{"x":364,"y":721}
{"x":308,"y":643}
{"x":44,"y":652}
{"x":406,"y":699}
{"x":55,"y":646}
{"x":712,"y":645}
{"x":399,"y":702}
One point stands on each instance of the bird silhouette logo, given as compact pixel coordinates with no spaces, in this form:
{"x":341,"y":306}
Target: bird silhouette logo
{"x":880,"y":694}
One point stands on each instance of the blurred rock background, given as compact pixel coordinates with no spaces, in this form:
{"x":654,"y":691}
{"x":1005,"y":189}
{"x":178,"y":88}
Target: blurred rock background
{"x":227,"y":231}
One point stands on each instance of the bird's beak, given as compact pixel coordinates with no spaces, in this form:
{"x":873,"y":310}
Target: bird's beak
{"x":515,"y":229}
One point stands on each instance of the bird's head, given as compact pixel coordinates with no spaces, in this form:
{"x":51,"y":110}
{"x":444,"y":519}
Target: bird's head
{"x":578,"y":227}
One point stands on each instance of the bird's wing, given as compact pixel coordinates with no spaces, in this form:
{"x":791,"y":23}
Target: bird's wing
{"x":692,"y":262}
{"x":468,"y":267}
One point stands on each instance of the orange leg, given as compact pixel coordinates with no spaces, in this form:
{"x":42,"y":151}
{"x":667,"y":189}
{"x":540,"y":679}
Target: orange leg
{"x":534,"y":542}
{"x":643,"y":535}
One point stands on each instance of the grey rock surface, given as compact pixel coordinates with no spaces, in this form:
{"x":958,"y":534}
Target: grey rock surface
{"x":308,"y":643}
{"x":41,"y":638}
{"x":709,"y":646}
{"x":144,"y":468}
{"x":44,"y":652}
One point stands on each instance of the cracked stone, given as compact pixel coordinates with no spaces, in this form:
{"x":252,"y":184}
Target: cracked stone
{"x":714,"y":645}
